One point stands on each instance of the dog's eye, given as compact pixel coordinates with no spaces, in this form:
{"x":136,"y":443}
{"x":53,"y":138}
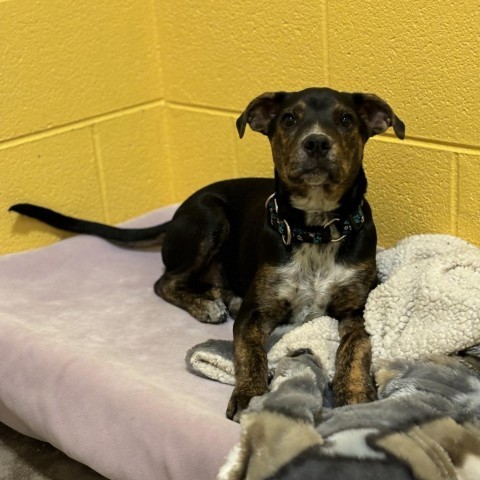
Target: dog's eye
{"x":289,"y":120}
{"x":346,"y":120}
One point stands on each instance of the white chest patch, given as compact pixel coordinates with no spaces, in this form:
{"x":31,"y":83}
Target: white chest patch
{"x":308,"y":280}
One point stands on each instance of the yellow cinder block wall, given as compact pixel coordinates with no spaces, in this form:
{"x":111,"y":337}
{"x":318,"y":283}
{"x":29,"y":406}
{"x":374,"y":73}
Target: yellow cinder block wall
{"x":112,"y":109}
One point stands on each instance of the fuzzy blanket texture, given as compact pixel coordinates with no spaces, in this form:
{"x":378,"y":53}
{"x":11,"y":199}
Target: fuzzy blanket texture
{"x":428,"y":302}
{"x":424,"y":426}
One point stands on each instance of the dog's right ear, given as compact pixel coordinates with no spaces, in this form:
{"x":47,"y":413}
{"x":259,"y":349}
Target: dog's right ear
{"x":260,"y":113}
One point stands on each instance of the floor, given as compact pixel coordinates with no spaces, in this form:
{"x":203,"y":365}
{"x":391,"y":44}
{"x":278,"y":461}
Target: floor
{"x":24,"y":458}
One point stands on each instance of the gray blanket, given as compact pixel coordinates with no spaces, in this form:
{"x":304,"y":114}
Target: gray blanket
{"x":424,"y":426}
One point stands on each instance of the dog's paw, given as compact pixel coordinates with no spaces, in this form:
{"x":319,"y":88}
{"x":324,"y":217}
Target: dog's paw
{"x":239,"y":402}
{"x":214,"y":311}
{"x":369,"y":394}
{"x":234,"y":306}
{"x":366,"y":396}
{"x":352,"y":396}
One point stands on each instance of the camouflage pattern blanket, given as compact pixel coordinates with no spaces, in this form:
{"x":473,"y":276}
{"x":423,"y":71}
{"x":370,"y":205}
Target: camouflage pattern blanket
{"x":425,"y":425}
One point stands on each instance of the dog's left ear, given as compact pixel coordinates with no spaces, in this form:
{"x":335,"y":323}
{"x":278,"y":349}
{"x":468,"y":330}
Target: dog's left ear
{"x":260,"y":113}
{"x":377,"y":115}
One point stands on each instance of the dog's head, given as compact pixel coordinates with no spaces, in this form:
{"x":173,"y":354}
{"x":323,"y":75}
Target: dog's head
{"x":318,"y":135}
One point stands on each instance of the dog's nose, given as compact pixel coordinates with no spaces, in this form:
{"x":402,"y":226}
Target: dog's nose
{"x":317,"y":145}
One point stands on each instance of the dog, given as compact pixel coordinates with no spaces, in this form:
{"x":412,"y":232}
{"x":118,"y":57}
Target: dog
{"x":273,"y":251}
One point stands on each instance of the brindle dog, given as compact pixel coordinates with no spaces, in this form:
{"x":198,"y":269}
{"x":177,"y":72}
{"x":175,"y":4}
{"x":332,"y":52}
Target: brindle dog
{"x":292,"y":248}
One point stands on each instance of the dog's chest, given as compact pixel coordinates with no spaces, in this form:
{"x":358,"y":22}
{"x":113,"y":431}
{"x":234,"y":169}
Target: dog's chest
{"x":309,"y":279}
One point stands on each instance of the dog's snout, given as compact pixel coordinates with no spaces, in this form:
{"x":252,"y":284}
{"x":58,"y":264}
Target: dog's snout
{"x":317,"y":145}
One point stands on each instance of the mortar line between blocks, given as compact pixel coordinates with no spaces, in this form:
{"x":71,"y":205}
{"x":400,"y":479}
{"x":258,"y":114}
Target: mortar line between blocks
{"x":77,"y":125}
{"x":235,"y":146}
{"x":432,"y":144}
{"x":203,"y":108}
{"x":455,"y":192}
{"x":100,"y":171}
{"x":168,"y":153}
{"x":326,"y":58}
{"x":159,"y":43}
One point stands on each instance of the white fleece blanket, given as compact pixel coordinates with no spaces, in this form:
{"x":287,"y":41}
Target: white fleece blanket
{"x":428,"y":303}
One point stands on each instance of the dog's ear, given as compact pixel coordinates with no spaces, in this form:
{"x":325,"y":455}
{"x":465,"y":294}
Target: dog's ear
{"x":260,"y":112}
{"x":377,"y":115}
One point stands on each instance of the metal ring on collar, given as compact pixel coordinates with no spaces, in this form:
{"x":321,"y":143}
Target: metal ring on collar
{"x":288,"y":240}
{"x":267,"y":201}
{"x":334,"y":240}
{"x":333,"y":220}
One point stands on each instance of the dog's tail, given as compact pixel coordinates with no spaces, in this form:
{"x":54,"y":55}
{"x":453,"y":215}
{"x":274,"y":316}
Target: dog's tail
{"x":130,"y":237}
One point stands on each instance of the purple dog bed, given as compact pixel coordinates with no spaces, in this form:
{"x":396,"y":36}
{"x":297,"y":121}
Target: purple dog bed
{"x":92,"y":361}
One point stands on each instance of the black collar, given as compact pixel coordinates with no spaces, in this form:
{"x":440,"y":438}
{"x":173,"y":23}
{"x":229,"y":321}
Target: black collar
{"x":312,"y":234}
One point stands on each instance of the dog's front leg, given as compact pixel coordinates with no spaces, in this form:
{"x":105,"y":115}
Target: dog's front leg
{"x":250,"y":359}
{"x":352,"y":382}
{"x":251,"y":329}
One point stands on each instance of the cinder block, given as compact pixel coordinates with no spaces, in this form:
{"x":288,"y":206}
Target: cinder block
{"x":58,"y":172}
{"x":469,"y":198}
{"x":136,"y":170}
{"x":201,"y":149}
{"x":423,"y":58}
{"x":225,"y":53}
{"x":66,"y":61}
{"x":410,"y":189}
